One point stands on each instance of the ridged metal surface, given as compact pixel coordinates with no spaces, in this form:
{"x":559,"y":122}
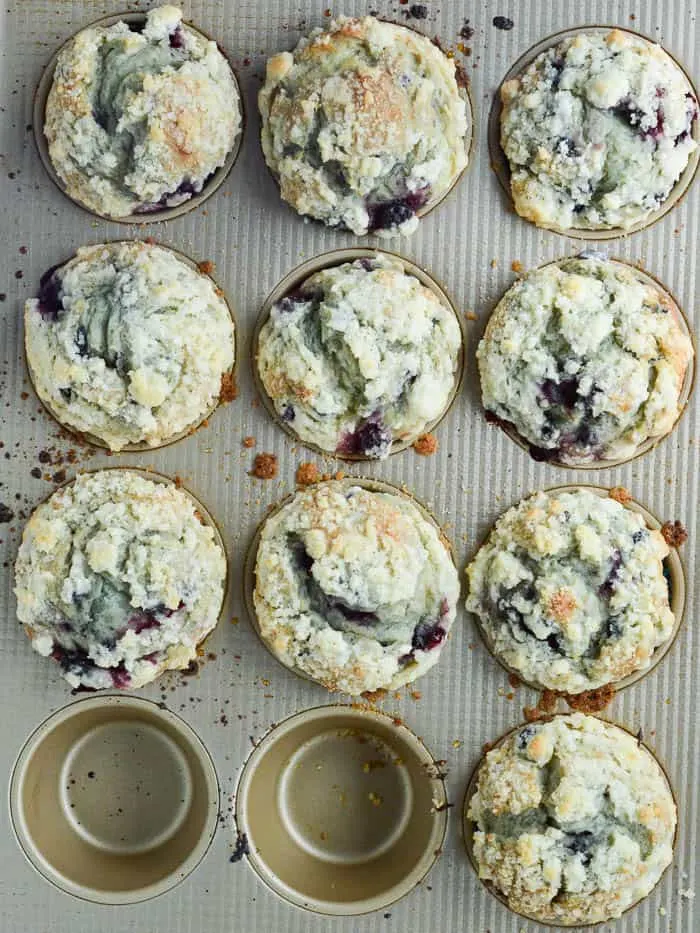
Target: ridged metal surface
{"x":253,"y":239}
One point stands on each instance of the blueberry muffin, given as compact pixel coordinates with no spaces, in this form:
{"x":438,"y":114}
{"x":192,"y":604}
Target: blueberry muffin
{"x":584,"y":361}
{"x":573,"y":820}
{"x":118,"y":579}
{"x":597,"y":130}
{"x":363,"y":125}
{"x":570,"y":590}
{"x":360,"y":356}
{"x":354,"y":588}
{"x":139,"y":118}
{"x":128,"y":343}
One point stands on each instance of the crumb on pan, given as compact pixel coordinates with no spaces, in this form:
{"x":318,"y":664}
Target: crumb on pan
{"x":229,"y":389}
{"x":591,"y":701}
{"x":307,"y":474}
{"x":265,"y":466}
{"x":620,"y":494}
{"x":426,"y":445}
{"x":248,"y":441}
{"x":517,"y":266}
{"x":674,"y":534}
{"x":546,"y":705}
{"x":206,"y":267}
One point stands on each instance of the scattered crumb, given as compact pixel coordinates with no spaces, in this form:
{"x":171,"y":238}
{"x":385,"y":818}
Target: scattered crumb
{"x":265,"y":466}
{"x":591,"y":701}
{"x":493,"y":263}
{"x":375,"y":799}
{"x":517,"y":266}
{"x":206,"y":267}
{"x":240,"y":848}
{"x":545,"y":706}
{"x":674,"y":534}
{"x":307,"y":474}
{"x":620,"y":494}
{"x":457,"y":743}
{"x":503,"y":22}
{"x":249,"y":441}
{"x":229,"y":390}
{"x":416,"y":694}
{"x":470,"y":316}
{"x":514,"y":680}
{"x":373,"y":696}
{"x":467,"y":31}
{"x":426,"y":445}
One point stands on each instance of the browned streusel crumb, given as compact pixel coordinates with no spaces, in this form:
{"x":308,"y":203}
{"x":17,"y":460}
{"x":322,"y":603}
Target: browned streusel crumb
{"x":307,"y":474}
{"x":546,"y":705}
{"x":426,"y":445}
{"x":339,"y":475}
{"x":416,"y":694}
{"x":517,"y":266}
{"x":591,"y":701}
{"x":471,"y":316}
{"x":229,"y":390}
{"x":265,"y":466}
{"x":249,"y":441}
{"x":206,"y":266}
{"x":620,"y":494}
{"x":674,"y":533}
{"x":493,"y":263}
{"x":374,"y":696}
{"x":514,"y":680}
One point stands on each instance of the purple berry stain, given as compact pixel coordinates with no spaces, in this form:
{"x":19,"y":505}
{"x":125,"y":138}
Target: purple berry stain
{"x":49,"y":297}
{"x":385,"y":215}
{"x":371,"y":438}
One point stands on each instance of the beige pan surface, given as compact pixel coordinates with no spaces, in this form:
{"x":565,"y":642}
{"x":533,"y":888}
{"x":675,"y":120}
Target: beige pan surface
{"x":468,"y":244}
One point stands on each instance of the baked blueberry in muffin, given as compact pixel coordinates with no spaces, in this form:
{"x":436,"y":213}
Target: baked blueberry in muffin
{"x":597,"y":130}
{"x":363,"y":125}
{"x":354,"y":587}
{"x":573,"y":820}
{"x":585,"y":361}
{"x":139,"y":119}
{"x":360,"y":356}
{"x":118,"y":579}
{"x":128,"y":343}
{"x":570,"y":590}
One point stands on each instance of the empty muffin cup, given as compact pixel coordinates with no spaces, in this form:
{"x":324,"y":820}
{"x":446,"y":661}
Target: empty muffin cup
{"x":152,"y":214}
{"x":227,"y":391}
{"x":499,"y":162}
{"x":686,"y":388}
{"x":469,"y":826}
{"x":114,"y":799}
{"x":347,"y":672}
{"x":372,"y":425}
{"x":343,"y":810}
{"x":674,"y":574}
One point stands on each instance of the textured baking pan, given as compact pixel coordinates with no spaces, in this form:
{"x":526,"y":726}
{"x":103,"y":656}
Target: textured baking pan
{"x":470,"y":244}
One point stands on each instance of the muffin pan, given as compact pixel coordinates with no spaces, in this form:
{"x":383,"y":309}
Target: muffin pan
{"x":474,"y":245}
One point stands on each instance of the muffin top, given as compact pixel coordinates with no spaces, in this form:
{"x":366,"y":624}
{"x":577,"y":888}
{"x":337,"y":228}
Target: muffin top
{"x":129,"y":343}
{"x":363,"y":125}
{"x":138,"y":120}
{"x":597,"y":130}
{"x":570,"y":590}
{"x":359,"y":356}
{"x":584,"y":360}
{"x":354,"y":588}
{"x":118,"y":579}
{"x":574,"y":820}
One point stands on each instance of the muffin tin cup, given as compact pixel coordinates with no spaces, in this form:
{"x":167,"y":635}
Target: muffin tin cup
{"x":675,"y":577}
{"x":204,"y":515}
{"x":465,"y":93}
{"x":343,"y":809}
{"x":469,"y":827}
{"x":249,"y":578}
{"x":114,"y":799}
{"x":201,"y":421}
{"x":686,"y":388}
{"x":329,"y":260}
{"x":499,"y":162}
{"x":215,"y":180}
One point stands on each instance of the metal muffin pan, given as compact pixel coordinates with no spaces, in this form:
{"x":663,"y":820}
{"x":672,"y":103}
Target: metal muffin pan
{"x":468,"y":244}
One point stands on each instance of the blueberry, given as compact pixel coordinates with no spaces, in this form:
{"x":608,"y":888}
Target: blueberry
{"x":557,"y":67}
{"x":367,"y":264}
{"x":73,"y":661}
{"x":136,"y":27}
{"x":563,"y":393}
{"x":427,"y":635}
{"x":579,"y":208}
{"x":607,"y":587}
{"x":503,"y":22}
{"x":81,"y":341}
{"x":387,"y":214}
{"x":287,"y":413}
{"x":49,"y":297}
{"x":66,"y":393}
{"x":580,"y":844}
{"x":568,"y":147}
{"x":177,"y":38}
{"x":555,"y":643}
{"x":639,"y":536}
{"x":524,"y":737}
{"x":371,"y":438}
{"x":612,"y":628}
{"x":406,"y":659}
